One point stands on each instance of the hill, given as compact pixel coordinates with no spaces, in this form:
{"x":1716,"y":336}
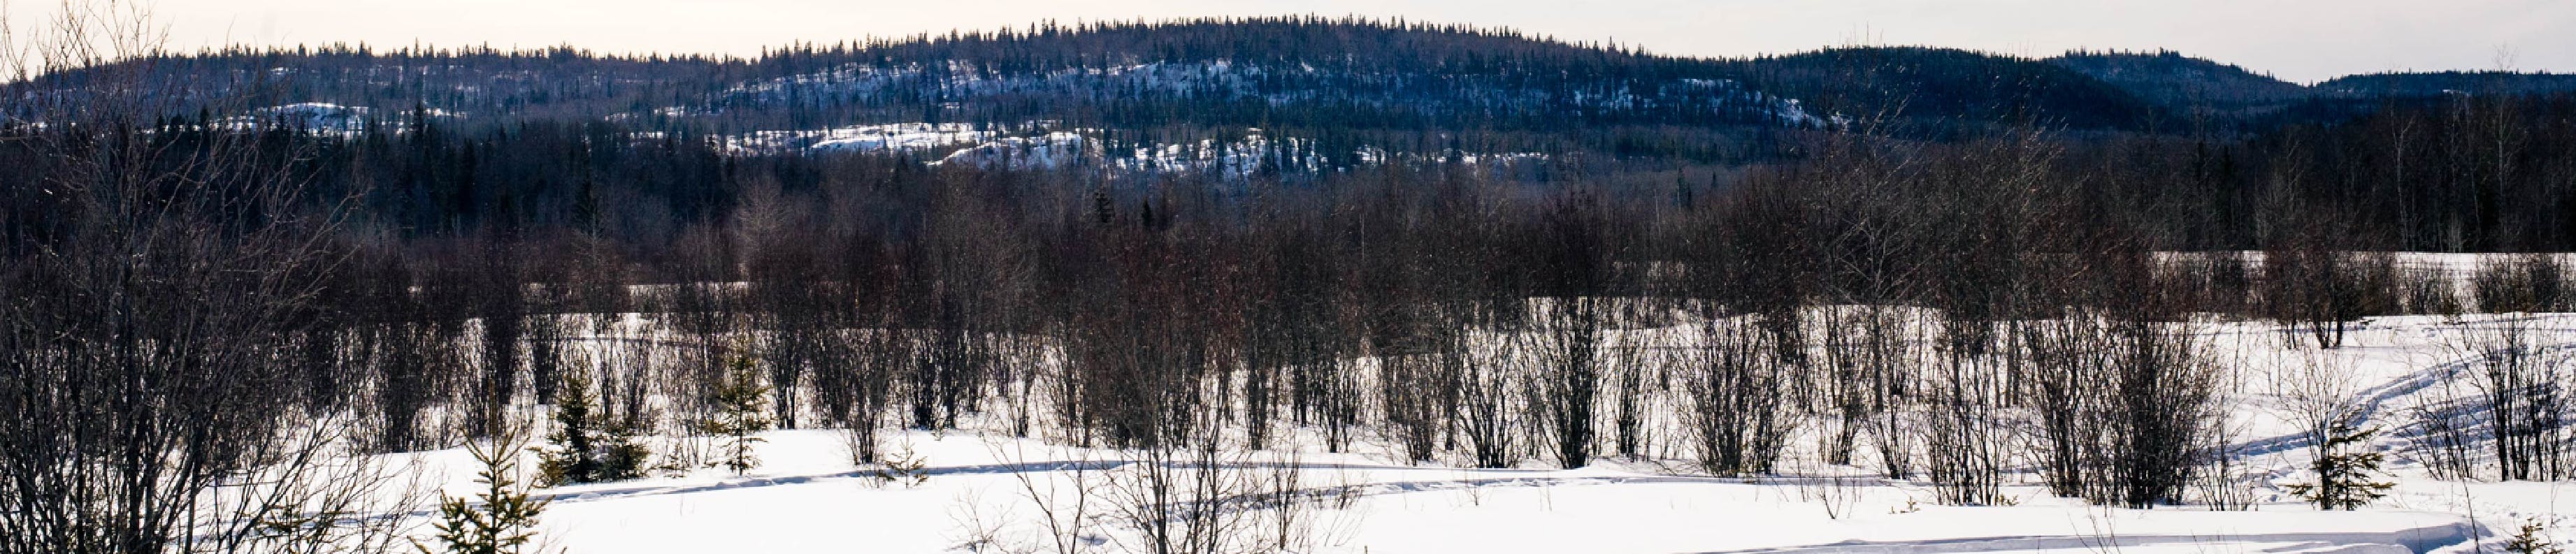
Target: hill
{"x":2450,"y":82}
{"x":1264,"y":93}
{"x":2173,"y":80}
{"x":1339,"y":84}
{"x":1946,"y":84}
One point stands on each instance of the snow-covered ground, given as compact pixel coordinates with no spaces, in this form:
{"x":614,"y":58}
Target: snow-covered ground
{"x":809,"y":498}
{"x":1041,"y":146}
{"x":979,"y":488}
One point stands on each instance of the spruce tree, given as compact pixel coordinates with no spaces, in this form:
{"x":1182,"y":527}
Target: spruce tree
{"x":586,"y":445}
{"x":2533,"y":538}
{"x":738,"y":415}
{"x":2346,"y":478}
{"x":502,"y":519}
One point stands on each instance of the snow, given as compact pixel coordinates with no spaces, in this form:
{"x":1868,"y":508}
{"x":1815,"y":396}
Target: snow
{"x":890,"y":137}
{"x":809,"y":496}
{"x":325,"y":119}
{"x":313,"y":117}
{"x":1057,"y":149}
{"x":1038,"y":145}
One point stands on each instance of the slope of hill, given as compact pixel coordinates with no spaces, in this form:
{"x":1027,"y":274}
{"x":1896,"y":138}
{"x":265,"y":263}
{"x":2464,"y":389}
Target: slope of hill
{"x":2173,"y":80}
{"x":1332,"y":91}
{"x":2450,"y":82}
{"x":1946,"y":84}
{"x":1277,"y":71}
{"x":1320,"y":78}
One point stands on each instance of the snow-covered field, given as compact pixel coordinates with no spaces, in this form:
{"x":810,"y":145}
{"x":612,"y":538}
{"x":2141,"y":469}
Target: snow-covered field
{"x":809,"y":498}
{"x":978,"y":490}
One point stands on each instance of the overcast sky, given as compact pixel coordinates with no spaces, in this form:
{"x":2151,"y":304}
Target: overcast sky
{"x":2299,"y":40}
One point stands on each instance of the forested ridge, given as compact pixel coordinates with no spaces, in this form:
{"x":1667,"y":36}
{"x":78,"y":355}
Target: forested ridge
{"x":1342,"y":223}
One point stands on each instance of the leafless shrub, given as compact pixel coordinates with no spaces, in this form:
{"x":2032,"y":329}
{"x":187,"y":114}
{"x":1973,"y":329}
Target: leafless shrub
{"x":2437,"y":426}
{"x":2323,"y":291}
{"x":1565,"y":353}
{"x":981,"y":528}
{"x":2127,"y":409}
{"x":1968,"y":435}
{"x":2520,"y":283}
{"x":2429,"y":291}
{"x":1489,"y":408}
{"x":2316,"y":391}
{"x":1064,"y":486}
{"x":1734,"y":377}
{"x":2520,"y":387}
{"x":1832,"y":489}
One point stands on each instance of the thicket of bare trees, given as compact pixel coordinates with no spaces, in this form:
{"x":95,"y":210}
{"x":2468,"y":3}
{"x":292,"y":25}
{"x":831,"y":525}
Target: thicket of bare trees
{"x":169,"y":378}
{"x":1449,"y":315}
{"x":1925,"y":312}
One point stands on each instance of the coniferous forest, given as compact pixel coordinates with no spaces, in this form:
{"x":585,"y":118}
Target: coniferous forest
{"x":225,"y":274}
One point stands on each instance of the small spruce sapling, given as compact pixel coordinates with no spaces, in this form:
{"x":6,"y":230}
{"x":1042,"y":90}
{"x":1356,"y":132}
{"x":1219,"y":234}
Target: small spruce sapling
{"x":502,"y":519}
{"x":586,"y":445}
{"x":903,"y":467}
{"x":2347,"y":472}
{"x":2533,"y":538}
{"x":738,"y":414}
{"x":287,"y":528}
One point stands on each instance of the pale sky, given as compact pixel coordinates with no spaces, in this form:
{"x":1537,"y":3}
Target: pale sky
{"x":2298,"y":40}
